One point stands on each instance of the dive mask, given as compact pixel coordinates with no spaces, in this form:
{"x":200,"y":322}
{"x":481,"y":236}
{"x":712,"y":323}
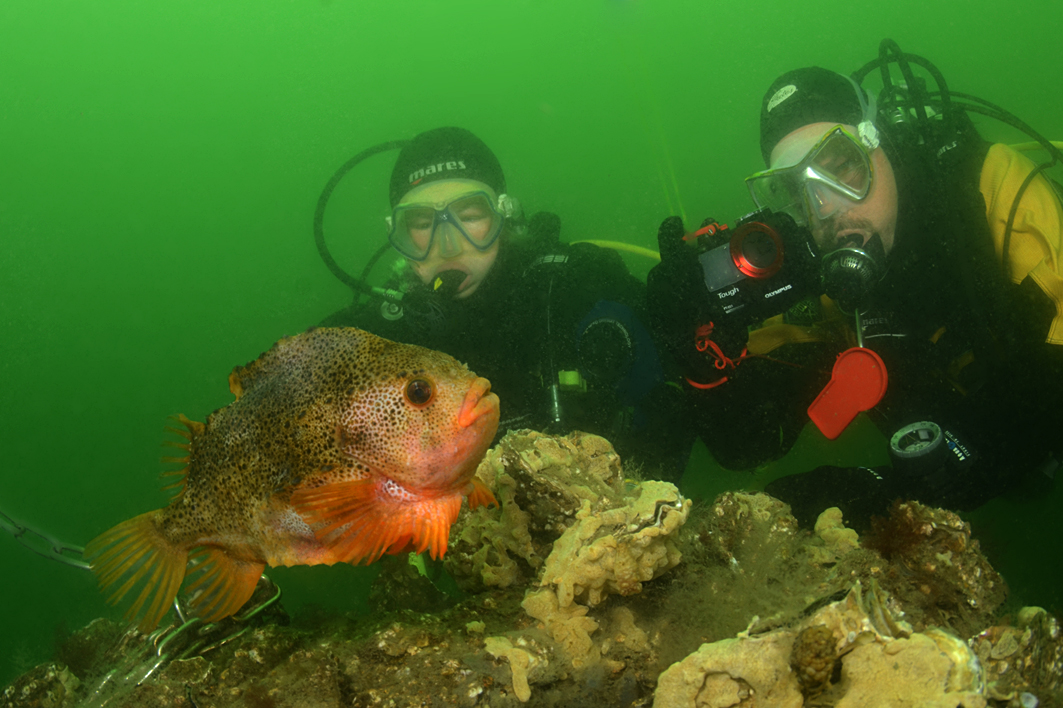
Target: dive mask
{"x":477,"y":217}
{"x":832,"y":176}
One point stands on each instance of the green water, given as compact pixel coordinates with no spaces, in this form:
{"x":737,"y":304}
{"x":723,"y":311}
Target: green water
{"x":160,"y":163}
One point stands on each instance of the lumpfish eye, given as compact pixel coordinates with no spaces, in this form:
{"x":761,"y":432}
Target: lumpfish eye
{"x":419,"y":392}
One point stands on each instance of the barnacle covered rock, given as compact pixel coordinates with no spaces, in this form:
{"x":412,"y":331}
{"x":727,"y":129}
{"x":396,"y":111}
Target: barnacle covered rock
{"x":1025,"y":658}
{"x":616,"y":550}
{"x":881,"y":663}
{"x":47,"y":686}
{"x":541,"y":481}
{"x":935,"y":568}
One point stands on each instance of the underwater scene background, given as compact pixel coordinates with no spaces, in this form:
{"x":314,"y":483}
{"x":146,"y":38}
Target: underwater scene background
{"x":160,"y":164}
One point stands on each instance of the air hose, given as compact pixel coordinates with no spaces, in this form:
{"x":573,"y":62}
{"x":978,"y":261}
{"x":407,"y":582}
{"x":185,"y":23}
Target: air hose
{"x":359,"y":285}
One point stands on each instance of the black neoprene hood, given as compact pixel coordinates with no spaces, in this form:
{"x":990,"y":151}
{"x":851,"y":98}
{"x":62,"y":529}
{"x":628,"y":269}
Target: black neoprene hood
{"x":445,"y":153}
{"x":802,"y":97}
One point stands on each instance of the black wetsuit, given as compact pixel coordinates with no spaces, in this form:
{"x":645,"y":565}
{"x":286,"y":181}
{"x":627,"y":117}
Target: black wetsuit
{"x":963,"y":349}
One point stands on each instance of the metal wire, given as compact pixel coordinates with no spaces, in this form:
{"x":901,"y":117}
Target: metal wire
{"x":44,"y":545}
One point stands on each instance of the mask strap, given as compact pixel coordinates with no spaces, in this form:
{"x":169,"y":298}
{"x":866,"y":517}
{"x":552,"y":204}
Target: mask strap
{"x":508,"y":206}
{"x":868,"y":106}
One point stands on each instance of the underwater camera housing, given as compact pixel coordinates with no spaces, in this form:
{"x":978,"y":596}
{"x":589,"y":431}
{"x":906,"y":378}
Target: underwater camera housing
{"x":756,"y":269}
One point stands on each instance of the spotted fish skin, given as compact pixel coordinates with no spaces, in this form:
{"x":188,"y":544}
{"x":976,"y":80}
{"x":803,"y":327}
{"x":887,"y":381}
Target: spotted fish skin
{"x":340,"y":446}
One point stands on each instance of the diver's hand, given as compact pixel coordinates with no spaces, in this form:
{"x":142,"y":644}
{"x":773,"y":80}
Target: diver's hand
{"x":670,"y":237}
{"x":672,"y":283}
{"x":860,"y":493}
{"x":705,"y":341}
{"x":545,"y":227}
{"x":676,"y":299}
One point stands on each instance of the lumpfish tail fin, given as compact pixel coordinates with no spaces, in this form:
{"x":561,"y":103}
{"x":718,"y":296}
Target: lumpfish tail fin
{"x":222,"y":584}
{"x":135,"y":555}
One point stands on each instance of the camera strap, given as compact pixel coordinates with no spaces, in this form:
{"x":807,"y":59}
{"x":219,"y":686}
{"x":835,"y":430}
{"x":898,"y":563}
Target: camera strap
{"x":703,"y":343}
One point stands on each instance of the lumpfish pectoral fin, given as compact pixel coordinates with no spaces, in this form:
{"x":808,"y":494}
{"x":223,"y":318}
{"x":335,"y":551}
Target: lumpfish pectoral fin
{"x":221,"y":583}
{"x":135,"y":554}
{"x":361,"y":520}
{"x":480,"y":495}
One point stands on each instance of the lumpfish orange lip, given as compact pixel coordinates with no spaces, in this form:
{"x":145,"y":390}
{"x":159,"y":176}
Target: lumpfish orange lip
{"x":479,"y":402}
{"x":340,"y":447}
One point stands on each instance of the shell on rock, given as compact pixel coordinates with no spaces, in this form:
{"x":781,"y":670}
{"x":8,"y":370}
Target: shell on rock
{"x":967,"y":673}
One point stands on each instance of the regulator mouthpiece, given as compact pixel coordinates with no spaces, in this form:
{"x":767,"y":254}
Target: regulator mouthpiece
{"x":851,"y":272}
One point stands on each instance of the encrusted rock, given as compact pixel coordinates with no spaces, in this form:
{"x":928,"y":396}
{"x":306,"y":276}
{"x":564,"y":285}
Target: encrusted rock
{"x":1024,"y":658}
{"x":47,"y":686}
{"x":195,"y":671}
{"x":541,"y":482}
{"x":615,"y":545}
{"x":565,"y":614}
{"x":615,"y":550}
{"x":935,"y":568}
{"x":904,"y":672}
{"x":751,"y":528}
{"x":90,"y":647}
{"x":522,"y":662}
{"x":838,"y":540}
{"x":745,"y":558}
{"x":748,"y":671}
{"x":932,"y":669}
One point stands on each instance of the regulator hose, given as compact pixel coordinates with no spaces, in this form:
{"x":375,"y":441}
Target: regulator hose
{"x":356,"y":284}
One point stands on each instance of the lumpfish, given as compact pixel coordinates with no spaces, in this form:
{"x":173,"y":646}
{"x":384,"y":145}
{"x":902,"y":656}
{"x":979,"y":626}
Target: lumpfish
{"x":340,"y":447}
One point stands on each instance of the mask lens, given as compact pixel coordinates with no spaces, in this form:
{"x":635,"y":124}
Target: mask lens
{"x":824,"y":201}
{"x":841,"y":161}
{"x":837,"y":175}
{"x":411,"y":230}
{"x":476,"y":219}
{"x":778,"y":191}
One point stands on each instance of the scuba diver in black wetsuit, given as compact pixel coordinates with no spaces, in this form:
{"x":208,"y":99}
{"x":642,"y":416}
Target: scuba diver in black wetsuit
{"x":886,"y":222}
{"x":555,"y":327}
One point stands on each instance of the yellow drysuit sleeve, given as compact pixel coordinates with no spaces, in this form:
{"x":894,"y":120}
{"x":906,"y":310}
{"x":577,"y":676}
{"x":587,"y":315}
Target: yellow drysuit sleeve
{"x":1037,"y":234}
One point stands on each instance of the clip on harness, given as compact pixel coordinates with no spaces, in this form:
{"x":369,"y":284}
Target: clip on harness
{"x":857,"y":383}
